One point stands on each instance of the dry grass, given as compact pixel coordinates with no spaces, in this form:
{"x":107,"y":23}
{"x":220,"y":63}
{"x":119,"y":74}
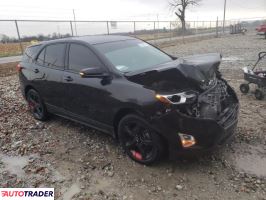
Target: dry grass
{"x":11,"y":49}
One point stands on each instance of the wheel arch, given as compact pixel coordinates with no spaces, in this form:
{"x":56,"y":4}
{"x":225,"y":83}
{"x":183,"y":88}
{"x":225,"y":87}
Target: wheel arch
{"x":129,"y":110}
{"x":122,"y":112}
{"x":27,"y":88}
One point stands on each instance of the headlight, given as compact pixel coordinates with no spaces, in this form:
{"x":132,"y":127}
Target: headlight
{"x":187,"y":140}
{"x":178,"y":98}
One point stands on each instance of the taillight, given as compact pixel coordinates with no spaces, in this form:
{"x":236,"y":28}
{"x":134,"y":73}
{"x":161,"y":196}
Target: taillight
{"x":19,"y":68}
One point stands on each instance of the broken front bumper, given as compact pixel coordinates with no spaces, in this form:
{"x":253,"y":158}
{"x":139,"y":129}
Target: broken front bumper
{"x":208,"y":133}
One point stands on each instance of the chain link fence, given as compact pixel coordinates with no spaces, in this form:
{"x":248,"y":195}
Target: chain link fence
{"x":15,"y":35}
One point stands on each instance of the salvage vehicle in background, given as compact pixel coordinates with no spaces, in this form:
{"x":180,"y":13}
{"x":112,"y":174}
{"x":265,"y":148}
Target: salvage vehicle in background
{"x":261,"y":30}
{"x":153,"y":103}
{"x":257,"y":77}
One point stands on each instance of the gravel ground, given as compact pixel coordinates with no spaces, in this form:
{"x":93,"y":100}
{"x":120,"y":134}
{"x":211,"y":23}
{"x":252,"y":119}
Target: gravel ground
{"x":81,"y":163}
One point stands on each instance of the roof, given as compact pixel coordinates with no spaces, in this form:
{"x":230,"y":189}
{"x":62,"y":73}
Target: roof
{"x":93,"y":39}
{"x":97,"y":39}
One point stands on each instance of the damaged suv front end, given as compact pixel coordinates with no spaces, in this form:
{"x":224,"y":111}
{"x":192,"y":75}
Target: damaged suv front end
{"x":197,"y":109}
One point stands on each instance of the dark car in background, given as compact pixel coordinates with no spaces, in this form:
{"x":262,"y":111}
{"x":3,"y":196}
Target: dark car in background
{"x":153,"y":103}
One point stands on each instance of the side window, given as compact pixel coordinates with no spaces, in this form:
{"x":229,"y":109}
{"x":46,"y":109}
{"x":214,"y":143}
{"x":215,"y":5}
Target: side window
{"x":40,"y":59}
{"x":81,"y":57}
{"x":30,"y":53}
{"x":54,"y":56}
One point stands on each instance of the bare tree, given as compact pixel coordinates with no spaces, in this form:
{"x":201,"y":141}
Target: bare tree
{"x":180,"y":7}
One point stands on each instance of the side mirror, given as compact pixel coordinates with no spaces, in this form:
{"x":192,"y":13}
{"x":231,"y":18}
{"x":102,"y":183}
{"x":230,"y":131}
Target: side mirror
{"x":93,"y":72}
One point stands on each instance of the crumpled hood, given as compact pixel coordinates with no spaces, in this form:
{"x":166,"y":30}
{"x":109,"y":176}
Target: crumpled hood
{"x":182,"y":73}
{"x":201,"y":68}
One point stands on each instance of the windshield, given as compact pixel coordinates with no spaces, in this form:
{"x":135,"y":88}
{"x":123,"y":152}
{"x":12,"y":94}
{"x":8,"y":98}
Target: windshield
{"x":132,"y":55}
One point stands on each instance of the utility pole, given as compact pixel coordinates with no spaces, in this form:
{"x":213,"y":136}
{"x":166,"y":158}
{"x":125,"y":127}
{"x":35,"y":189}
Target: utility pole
{"x":217,"y":27}
{"x":158,"y":26}
{"x":58,"y":30}
{"x":75,"y":22}
{"x":224,"y":14}
{"x":19,"y":39}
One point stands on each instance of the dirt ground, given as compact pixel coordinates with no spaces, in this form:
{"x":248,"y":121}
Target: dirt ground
{"x":82,"y":163}
{"x":8,"y":69}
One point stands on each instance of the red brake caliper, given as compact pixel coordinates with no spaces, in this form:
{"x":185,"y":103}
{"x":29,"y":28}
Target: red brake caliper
{"x":31,"y":106}
{"x":136,"y":155}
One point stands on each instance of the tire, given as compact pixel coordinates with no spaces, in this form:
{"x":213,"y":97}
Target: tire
{"x":244,"y":88}
{"x":259,"y":94}
{"x":139,"y":141}
{"x":36,"y":105}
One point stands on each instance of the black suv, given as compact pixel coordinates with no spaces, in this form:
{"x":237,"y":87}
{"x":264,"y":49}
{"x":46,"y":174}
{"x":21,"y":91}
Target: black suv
{"x":154,"y":103}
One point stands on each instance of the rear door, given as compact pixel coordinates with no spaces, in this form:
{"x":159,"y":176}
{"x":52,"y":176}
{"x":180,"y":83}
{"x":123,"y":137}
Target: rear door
{"x":85,"y":96}
{"x":49,"y":68}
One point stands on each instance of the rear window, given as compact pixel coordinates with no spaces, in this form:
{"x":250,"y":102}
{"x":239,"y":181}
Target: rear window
{"x":30,"y":52}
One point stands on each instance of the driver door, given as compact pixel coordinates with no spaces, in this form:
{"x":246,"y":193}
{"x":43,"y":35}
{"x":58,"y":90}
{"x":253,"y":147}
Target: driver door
{"x":85,"y":96}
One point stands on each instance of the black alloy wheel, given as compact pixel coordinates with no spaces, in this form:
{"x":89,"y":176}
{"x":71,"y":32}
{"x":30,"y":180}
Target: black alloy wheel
{"x":36,"y":105}
{"x":140,"y":142}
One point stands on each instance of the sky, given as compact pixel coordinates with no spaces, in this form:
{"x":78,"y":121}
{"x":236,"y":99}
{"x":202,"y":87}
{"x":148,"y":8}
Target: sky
{"x":126,"y":9}
{"x":114,"y":10}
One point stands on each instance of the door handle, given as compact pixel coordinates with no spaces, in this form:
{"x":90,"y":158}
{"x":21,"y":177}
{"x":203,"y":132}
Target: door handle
{"x":68,"y":78}
{"x":36,"y":70}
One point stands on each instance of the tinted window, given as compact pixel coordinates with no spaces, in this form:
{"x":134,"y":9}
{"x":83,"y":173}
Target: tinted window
{"x":30,"y":53}
{"x":40,"y":59}
{"x":132,"y":55}
{"x":54,"y":56}
{"x":81,"y":57}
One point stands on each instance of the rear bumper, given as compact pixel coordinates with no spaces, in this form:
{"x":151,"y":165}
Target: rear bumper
{"x":208,"y":133}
